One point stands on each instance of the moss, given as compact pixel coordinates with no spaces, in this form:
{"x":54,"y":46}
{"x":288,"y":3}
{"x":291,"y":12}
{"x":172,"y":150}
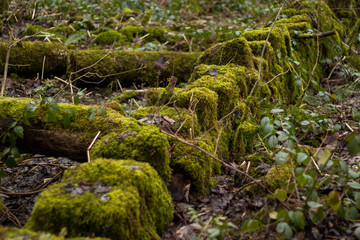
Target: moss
{"x":132,"y":67}
{"x":8,"y":233}
{"x":126,"y":96}
{"x":277,"y":175}
{"x":185,"y":121}
{"x":198,"y":167}
{"x":29,"y":57}
{"x":154,"y":96}
{"x":226,"y":88}
{"x":235,"y":51}
{"x":143,"y":144}
{"x":203,"y":101}
{"x":244,"y":136}
{"x":109,"y":37}
{"x":146,"y":18}
{"x":354,"y":61}
{"x":156,"y":33}
{"x":131,"y":31}
{"x":131,"y":202}
{"x":32,"y":30}
{"x":279,"y":39}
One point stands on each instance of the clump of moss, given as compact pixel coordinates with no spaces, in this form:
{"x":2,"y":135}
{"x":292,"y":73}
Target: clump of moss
{"x":32,"y":30}
{"x":199,"y":167}
{"x":277,"y":175}
{"x":156,"y":33}
{"x":131,"y":31}
{"x":109,"y":37}
{"x":204,"y":101}
{"x":126,"y":96}
{"x":129,"y":201}
{"x":146,"y":18}
{"x":235,"y":51}
{"x":244,"y":136}
{"x":143,"y":144}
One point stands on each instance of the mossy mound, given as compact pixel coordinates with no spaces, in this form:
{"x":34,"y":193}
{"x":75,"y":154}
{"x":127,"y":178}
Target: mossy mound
{"x":244,"y":137}
{"x":197,"y":166}
{"x":277,"y":175}
{"x":235,"y":51}
{"x":7,"y":233}
{"x":118,"y":199}
{"x":143,"y":144}
{"x":28,"y":58}
{"x":109,"y":37}
{"x":131,"y":67}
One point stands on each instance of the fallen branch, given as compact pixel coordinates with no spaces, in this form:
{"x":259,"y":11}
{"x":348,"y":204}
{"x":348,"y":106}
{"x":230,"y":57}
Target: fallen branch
{"x":319,"y":35}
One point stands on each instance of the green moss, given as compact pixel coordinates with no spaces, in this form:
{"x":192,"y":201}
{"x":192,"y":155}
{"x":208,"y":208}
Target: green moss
{"x":184,"y":124}
{"x":7,"y":233}
{"x":132,"y":31}
{"x":109,"y":37}
{"x":197,"y":166}
{"x":146,"y":18}
{"x":126,"y":96}
{"x":203,"y":101}
{"x":140,"y":66}
{"x":154,"y":96}
{"x":32,"y":30}
{"x":143,"y":144}
{"x":135,"y":202}
{"x":235,"y":51}
{"x":277,"y":175}
{"x":29,"y":57}
{"x":244,"y":137}
{"x":226,"y":88}
{"x":156,"y":33}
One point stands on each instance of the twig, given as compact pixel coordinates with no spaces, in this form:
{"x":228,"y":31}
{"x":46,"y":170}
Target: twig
{"x":6,"y":67}
{"x":91,"y":145}
{"x":43,"y":68}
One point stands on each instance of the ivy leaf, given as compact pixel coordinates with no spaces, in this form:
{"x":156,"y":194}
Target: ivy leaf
{"x":3,"y":153}
{"x":10,"y":162}
{"x":298,"y":219}
{"x":19,"y":131}
{"x":355,"y":114}
{"x":301,"y":157}
{"x":282,"y":136}
{"x":283,"y":227}
{"x":2,"y":174}
{"x":314,"y":204}
{"x":276,"y":110}
{"x":264,"y":121}
{"x":51,"y":116}
{"x":30,"y":110}
{"x":251,"y":226}
{"x":357,"y":232}
{"x":92,"y":117}
{"x":324,"y":157}
{"x":353,"y":184}
{"x":354,"y":145}
{"x":12,"y":125}
{"x":213,"y":232}
{"x":66,"y":120}
{"x":15,"y":152}
{"x":280,"y":194}
{"x":281,"y":157}
{"x":334,"y":200}
{"x":102,"y":111}
{"x":273,"y":141}
{"x":12,"y":139}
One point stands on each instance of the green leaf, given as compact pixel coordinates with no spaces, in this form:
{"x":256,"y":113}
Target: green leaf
{"x":343,"y":166}
{"x":264,"y":121}
{"x":66,"y":120}
{"x":353,"y":184}
{"x":355,"y":114}
{"x":12,"y":139}
{"x":316,"y":215}
{"x":280,"y":194}
{"x":268,"y":129}
{"x":276,"y":110}
{"x":19,"y":131}
{"x":3,"y":139}
{"x":213,"y":232}
{"x":30,"y":110}
{"x":15,"y":152}
{"x":273,"y":141}
{"x":301,"y":157}
{"x":72,"y":113}
{"x":273,"y":215}
{"x":3,"y":153}
{"x":298,"y":219}
{"x":282,"y":136}
{"x":352,"y":213}
{"x":284,"y":228}
{"x":102,"y":111}
{"x":281,"y":157}
{"x":251,"y":226}
{"x":51,"y":116}
{"x":314,"y":204}
{"x":324,"y":157}
{"x":92,"y":109}
{"x":10,"y":162}
{"x":92,"y":117}
{"x":54,"y":108}
{"x":2,"y":174}
{"x":13,"y":125}
{"x":76,"y":100}
{"x":354,"y":145}
{"x":357,"y":232}
{"x":334,"y":200}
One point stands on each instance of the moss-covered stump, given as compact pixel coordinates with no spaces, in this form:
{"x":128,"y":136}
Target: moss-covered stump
{"x":117,"y":199}
{"x":7,"y":233}
{"x":27,"y":58}
{"x":131,"y":67}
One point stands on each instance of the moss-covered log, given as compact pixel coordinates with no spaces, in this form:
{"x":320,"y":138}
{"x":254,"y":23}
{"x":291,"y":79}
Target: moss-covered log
{"x":132,"y":67}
